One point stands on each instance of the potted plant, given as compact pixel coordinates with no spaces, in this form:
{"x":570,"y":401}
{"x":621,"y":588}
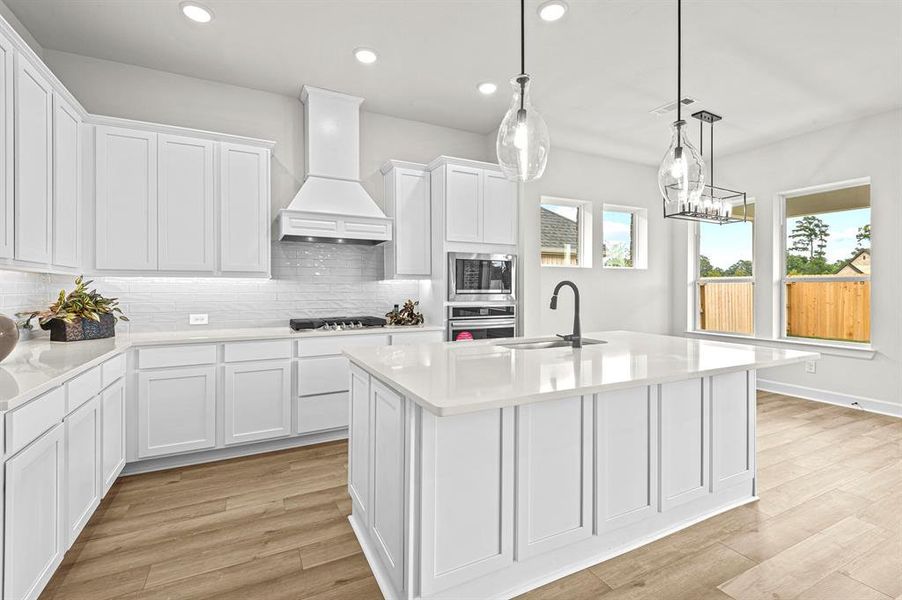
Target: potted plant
{"x":82,"y":314}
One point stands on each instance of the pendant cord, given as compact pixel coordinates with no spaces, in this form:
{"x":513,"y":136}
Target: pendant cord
{"x":522,"y":37}
{"x":711,"y":158}
{"x":679,"y":65}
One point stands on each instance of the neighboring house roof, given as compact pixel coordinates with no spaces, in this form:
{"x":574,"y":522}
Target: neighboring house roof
{"x":860,"y":264}
{"x":557,"y":230}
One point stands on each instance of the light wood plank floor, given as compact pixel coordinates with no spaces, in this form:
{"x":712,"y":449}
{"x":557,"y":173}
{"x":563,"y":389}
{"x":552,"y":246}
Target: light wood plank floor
{"x":828,"y":527}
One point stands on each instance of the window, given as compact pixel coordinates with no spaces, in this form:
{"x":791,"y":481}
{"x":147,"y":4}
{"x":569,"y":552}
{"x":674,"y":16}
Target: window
{"x":827,"y":264}
{"x":623,"y":232}
{"x":566,"y":227}
{"x":725,"y":284}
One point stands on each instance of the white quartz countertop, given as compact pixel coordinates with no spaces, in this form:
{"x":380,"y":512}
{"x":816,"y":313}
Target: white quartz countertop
{"x":39,"y":365}
{"x":462,"y":377}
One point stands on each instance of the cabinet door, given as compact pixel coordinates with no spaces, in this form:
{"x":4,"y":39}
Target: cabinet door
{"x":176,"y":411}
{"x":413,"y":239}
{"x":684,"y":450}
{"x":257,"y":401}
{"x":244,"y":192}
{"x":185,"y":204}
{"x":463,"y":201}
{"x":33,"y":546}
{"x":33,"y":160}
{"x":112,"y":434}
{"x":359,"y":445}
{"x":83,"y":485}
{"x":66,"y":183}
{"x":126,"y":199}
{"x":7,"y":210}
{"x":499,"y":209}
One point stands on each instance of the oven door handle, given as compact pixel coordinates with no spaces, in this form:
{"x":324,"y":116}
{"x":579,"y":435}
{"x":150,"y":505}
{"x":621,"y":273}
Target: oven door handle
{"x":477,"y":324}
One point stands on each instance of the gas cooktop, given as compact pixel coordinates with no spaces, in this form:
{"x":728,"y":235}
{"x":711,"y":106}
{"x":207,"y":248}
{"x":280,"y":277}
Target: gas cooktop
{"x":336,"y":323}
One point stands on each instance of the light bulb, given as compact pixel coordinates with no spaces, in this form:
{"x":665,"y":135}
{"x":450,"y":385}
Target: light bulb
{"x":681,"y":177}
{"x":522,"y":143}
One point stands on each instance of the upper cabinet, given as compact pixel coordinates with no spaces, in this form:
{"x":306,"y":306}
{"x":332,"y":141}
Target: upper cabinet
{"x":7,"y":208}
{"x":33,"y":164}
{"x":479,"y":204}
{"x":244,"y":209}
{"x":407,"y":200}
{"x":66,"y":207}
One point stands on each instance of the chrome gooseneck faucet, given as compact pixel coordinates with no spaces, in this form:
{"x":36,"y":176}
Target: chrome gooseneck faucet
{"x":575,"y":338}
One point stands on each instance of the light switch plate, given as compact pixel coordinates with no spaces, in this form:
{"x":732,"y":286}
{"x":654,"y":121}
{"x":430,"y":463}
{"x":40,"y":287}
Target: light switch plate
{"x":810,"y":366}
{"x":198,"y":319}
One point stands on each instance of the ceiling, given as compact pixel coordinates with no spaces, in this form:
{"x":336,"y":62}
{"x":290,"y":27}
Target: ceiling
{"x":772,"y":68}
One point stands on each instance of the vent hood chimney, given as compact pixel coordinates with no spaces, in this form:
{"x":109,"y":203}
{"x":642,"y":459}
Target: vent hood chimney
{"x":331,"y":205}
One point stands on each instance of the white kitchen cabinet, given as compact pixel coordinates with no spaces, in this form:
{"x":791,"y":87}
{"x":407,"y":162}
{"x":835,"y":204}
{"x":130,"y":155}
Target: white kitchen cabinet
{"x":684,"y":452}
{"x":499,"y":209}
{"x":7,"y":209}
{"x":112,"y":433}
{"x":244,"y":209}
{"x":257,"y":401}
{"x":417,"y":337}
{"x":66,"y":183}
{"x":33,"y":164}
{"x":176,"y":410}
{"x":185,"y":204}
{"x":407,"y":201}
{"x":83,"y":485}
{"x":34,"y":507}
{"x":126,"y":199}
{"x":463,"y":202}
{"x":359,"y":444}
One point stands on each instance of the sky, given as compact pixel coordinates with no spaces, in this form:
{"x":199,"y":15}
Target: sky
{"x":843,"y":227}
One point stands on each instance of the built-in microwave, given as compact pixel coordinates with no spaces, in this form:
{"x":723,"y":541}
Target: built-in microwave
{"x":481,"y":277}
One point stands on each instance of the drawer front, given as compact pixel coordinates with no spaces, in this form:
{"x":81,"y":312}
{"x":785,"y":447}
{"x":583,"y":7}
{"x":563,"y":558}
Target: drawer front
{"x":322,"y":375}
{"x":318,"y":413}
{"x":257,"y":350}
{"x":417,"y":337}
{"x":113,"y":369}
{"x":177,"y":356}
{"x":82,"y":388}
{"x":334,"y":345}
{"x":27,"y":423}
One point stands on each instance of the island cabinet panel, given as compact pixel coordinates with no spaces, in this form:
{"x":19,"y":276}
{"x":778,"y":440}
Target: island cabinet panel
{"x":467,"y":501}
{"x":554,"y":474}
{"x":733,"y":428}
{"x":257,"y":401}
{"x":684,"y":417}
{"x":359,"y":445}
{"x":176,"y":410}
{"x":626,"y":457}
{"x":387,"y":517}
{"x":112,"y":415}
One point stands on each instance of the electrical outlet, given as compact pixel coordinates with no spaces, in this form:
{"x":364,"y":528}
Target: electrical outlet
{"x":198,"y":319}
{"x":810,"y":366}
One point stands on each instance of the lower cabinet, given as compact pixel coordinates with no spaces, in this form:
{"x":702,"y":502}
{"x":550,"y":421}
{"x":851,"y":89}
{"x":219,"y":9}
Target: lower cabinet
{"x":33,"y":544}
{"x":83,"y":485}
{"x":112,"y":434}
{"x":257,"y":401}
{"x":322,"y":412}
{"x":176,"y":410}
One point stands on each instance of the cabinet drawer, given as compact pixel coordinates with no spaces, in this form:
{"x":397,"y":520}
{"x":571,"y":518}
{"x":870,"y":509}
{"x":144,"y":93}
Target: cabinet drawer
{"x":26,"y":423}
{"x":323,"y":375}
{"x":113,"y":369}
{"x":334,"y":345}
{"x":318,"y":413}
{"x":177,"y":356}
{"x":82,"y":388}
{"x":417,"y":337}
{"x":258,"y":350}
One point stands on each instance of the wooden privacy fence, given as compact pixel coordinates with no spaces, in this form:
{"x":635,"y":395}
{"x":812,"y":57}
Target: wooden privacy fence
{"x":831,"y":310}
{"x":726,"y":306}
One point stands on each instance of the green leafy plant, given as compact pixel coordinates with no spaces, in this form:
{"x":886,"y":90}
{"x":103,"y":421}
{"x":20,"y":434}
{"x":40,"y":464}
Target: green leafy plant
{"x":80,"y":303}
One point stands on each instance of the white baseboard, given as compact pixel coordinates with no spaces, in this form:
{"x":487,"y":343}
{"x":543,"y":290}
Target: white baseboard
{"x":880,"y":407}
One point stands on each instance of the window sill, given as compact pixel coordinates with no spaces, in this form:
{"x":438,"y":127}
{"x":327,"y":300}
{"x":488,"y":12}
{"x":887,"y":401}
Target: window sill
{"x":864,"y":351}
{"x":566,"y":266}
{"x":625,"y":268}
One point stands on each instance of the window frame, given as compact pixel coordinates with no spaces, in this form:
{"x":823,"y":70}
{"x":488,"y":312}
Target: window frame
{"x":782,"y":278}
{"x":638,"y":236}
{"x":583,"y":235}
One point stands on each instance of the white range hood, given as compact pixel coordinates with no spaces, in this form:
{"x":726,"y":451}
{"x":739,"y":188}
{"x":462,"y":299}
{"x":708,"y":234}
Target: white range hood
{"x":331,"y":205}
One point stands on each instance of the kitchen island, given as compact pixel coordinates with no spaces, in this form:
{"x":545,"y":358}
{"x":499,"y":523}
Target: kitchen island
{"x":487,"y":469}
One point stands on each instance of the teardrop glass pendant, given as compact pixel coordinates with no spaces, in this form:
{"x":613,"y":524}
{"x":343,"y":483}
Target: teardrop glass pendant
{"x":681,"y":177}
{"x":523,"y":142}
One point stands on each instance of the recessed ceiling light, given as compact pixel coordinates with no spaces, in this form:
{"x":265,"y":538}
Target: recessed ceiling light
{"x":552,"y":10}
{"x":365,"y":55}
{"x":487,"y":88}
{"x":196,"y":12}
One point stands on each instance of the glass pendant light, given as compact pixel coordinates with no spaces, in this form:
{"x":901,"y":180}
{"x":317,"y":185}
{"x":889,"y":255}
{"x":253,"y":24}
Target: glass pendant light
{"x":523,"y":142}
{"x":681,"y":177}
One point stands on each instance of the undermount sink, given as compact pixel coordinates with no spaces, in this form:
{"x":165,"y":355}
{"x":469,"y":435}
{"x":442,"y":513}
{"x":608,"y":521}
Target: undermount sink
{"x":547,"y":343}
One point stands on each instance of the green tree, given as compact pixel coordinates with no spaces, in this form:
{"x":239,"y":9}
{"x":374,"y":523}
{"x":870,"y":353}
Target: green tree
{"x":810,"y":235}
{"x":741,"y":268}
{"x":706,"y":269}
{"x":864,"y":234}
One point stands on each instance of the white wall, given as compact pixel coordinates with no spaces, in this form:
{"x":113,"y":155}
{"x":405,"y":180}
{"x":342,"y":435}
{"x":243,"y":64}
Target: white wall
{"x":868,"y":147}
{"x":636,"y":299}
